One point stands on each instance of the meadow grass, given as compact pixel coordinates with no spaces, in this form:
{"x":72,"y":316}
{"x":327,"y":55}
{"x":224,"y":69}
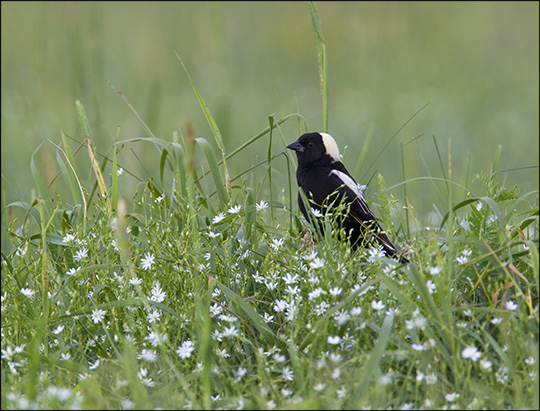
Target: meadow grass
{"x":206,"y":290}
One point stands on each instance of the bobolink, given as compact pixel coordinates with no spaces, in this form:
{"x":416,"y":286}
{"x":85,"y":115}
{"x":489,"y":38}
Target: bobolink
{"x":327,"y":183}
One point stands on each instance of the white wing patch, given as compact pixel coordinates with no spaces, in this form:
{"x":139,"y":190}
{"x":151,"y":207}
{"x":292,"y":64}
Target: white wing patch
{"x":356,"y":188}
{"x":331,"y":146}
{"x":349,"y":182}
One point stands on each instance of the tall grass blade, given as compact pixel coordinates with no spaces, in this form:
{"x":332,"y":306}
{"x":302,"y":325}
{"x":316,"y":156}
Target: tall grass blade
{"x":322,"y":59}
{"x":114,"y":175}
{"x":365,"y":149}
{"x":97,"y":171}
{"x":42,"y":190}
{"x":214,"y":169}
{"x":211,"y":122}
{"x":81,"y":190}
{"x":83,"y":120}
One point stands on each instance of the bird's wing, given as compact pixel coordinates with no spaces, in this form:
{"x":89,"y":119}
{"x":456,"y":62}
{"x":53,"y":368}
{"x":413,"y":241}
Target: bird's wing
{"x":354,"y":191}
{"x":360,"y":209}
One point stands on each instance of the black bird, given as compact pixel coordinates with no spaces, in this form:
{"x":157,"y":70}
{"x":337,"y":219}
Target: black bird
{"x":326,"y":183}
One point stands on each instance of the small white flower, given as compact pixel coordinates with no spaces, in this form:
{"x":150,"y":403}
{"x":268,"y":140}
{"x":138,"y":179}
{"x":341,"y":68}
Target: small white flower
{"x":341,"y":317}
{"x":336,"y":373}
{"x":465,"y":254}
{"x":292,"y":290}
{"x":186,"y":349}
{"x":94,"y":365}
{"x":279,"y":357}
{"x":419,"y":347}
{"x":386,"y":379}
{"x":335,"y":291}
{"x":287,"y":374}
{"x":153,"y":315}
{"x":310,"y":256}
{"x":431,"y":286}
{"x":228,"y":318}
{"x":356,"y":311}
{"x":375,"y":254}
{"x":156,"y":338}
{"x":119,"y":171}
{"x":135,"y":281}
{"x":333,"y":340}
{"x":485,"y":364}
{"x":267,"y":317}
{"x":73,"y":271}
{"x":235,"y":209}
{"x":231,"y":331}
{"x":377,"y":305}
{"x":321,"y":308}
{"x":316,"y":212}
{"x":68,"y":238}
{"x":216,"y":309}
{"x":335,"y":357}
{"x":158,"y":295}
{"x":290,"y":279}
{"x":435,"y":270}
{"x":159,"y":199}
{"x":218,"y":218}
{"x":418,"y":321}
{"x":317,"y":263}
{"x":58,"y":329}
{"x":291,"y":310}
{"x":147,"y":261}
{"x":98,"y":315}
{"x":28,"y":292}
{"x":211,"y":234}
{"x":465,"y":225}
{"x":431,"y":379}
{"x":147,"y":355}
{"x":451,"y":396}
{"x":319,"y":387}
{"x":496,"y":320}
{"x":342,"y":393}
{"x":471,"y":352}
{"x":280,"y":305}
{"x":510,"y":305}
{"x":241,"y":372}
{"x":261,"y":206}
{"x":276,"y":243}
{"x":81,"y":254}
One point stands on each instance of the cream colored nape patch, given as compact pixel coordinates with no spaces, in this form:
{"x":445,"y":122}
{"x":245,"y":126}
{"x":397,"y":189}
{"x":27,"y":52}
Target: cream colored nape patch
{"x":331,"y":146}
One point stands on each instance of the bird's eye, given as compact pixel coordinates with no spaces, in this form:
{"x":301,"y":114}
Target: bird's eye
{"x":310,"y":144}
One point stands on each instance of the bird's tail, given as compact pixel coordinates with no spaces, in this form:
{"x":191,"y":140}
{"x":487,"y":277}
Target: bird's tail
{"x":389,"y":248}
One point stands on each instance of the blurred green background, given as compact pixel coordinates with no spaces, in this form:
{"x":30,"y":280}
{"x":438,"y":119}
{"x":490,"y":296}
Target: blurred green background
{"x":475,"y":63}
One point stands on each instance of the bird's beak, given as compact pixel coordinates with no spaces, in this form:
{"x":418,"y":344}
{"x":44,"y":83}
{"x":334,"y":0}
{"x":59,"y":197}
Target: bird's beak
{"x":296,"y":146}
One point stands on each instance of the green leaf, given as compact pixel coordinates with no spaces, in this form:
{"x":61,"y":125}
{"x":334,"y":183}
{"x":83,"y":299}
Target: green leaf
{"x":214,"y":169}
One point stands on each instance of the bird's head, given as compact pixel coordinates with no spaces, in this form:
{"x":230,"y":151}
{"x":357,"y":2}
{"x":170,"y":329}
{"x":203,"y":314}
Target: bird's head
{"x":314,"y":147}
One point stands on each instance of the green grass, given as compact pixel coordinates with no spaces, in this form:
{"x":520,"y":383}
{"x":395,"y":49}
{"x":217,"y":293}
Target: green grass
{"x":203,"y":289}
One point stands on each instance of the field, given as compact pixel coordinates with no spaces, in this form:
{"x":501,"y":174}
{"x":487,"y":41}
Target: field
{"x":153,"y":255}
